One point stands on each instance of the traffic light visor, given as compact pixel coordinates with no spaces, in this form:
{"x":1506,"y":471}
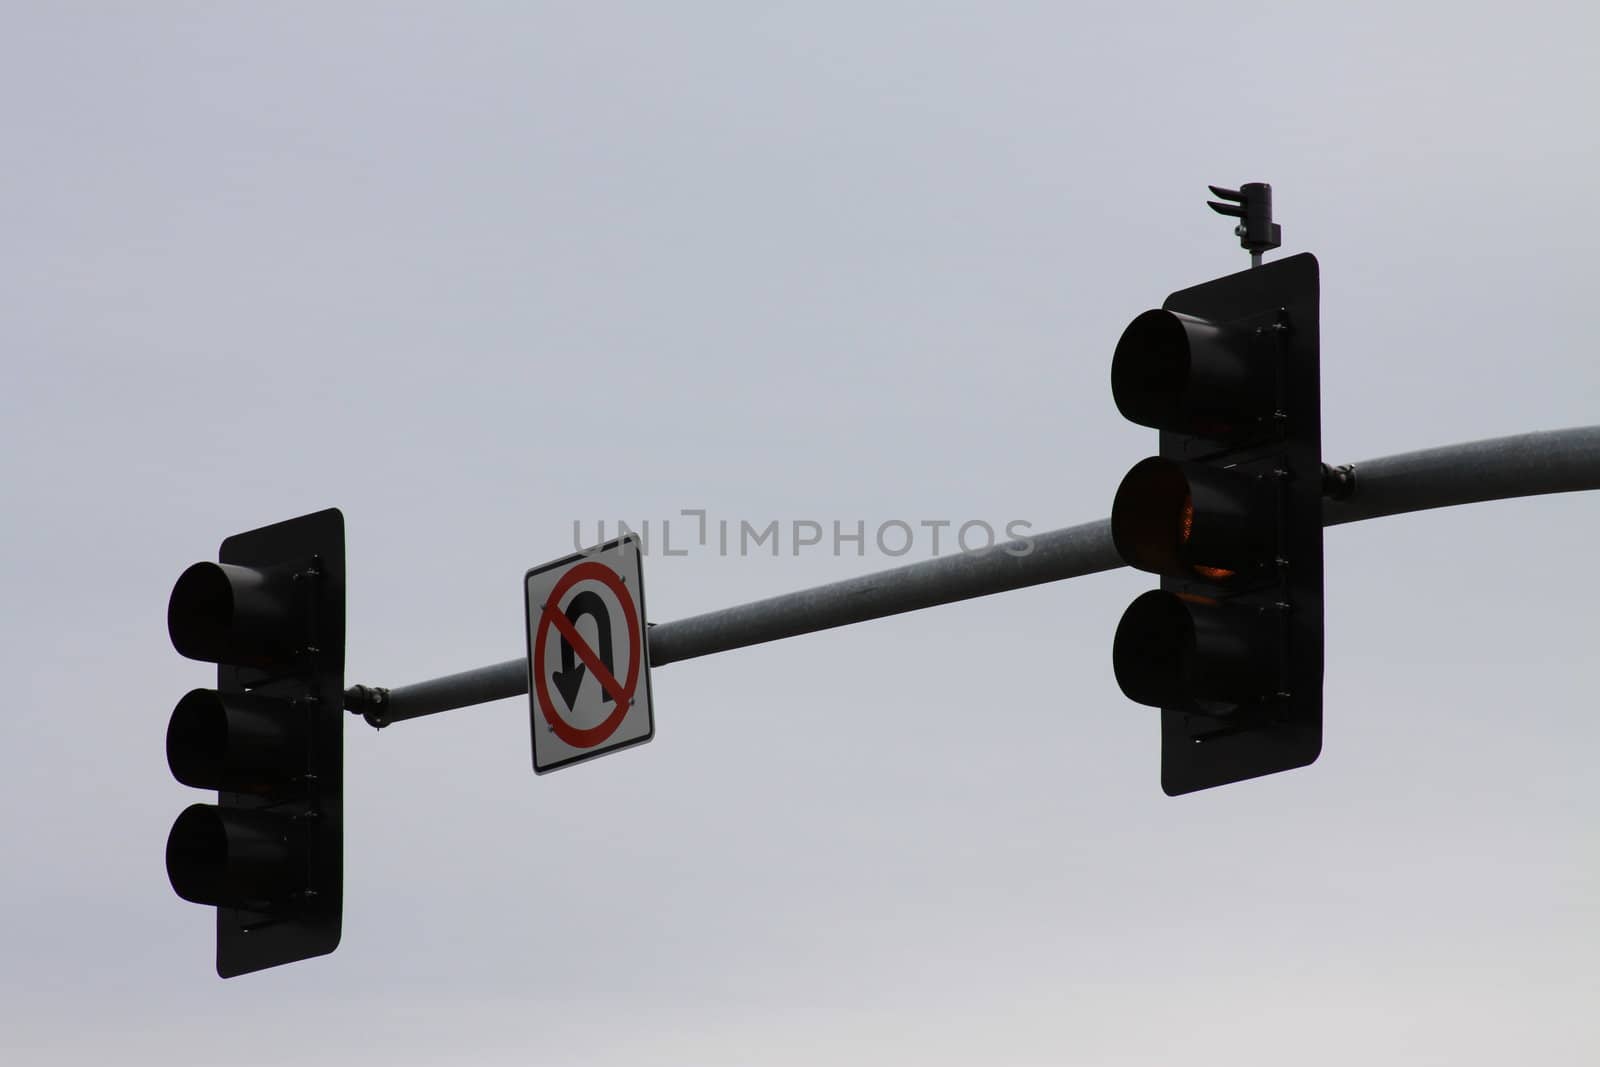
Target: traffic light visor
{"x":235,"y":741}
{"x":1153,"y":651}
{"x":230,"y":857}
{"x":223,"y":613}
{"x":1176,"y":372}
{"x":1193,"y":654}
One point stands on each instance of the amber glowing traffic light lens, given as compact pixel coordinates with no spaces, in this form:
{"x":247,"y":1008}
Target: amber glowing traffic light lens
{"x":1185,"y":520}
{"x":1152,"y":517}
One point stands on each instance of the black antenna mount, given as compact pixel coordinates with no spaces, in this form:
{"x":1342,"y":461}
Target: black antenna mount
{"x":1252,"y":204}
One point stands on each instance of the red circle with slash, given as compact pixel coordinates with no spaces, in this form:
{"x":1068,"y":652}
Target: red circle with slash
{"x":621,"y":692}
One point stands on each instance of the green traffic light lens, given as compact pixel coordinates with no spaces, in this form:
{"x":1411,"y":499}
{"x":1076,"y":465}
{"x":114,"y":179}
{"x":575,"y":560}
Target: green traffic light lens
{"x":242,"y":742}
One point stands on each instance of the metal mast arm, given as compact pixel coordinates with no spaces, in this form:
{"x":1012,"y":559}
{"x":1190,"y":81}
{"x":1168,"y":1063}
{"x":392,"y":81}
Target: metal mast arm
{"x":1556,"y":461}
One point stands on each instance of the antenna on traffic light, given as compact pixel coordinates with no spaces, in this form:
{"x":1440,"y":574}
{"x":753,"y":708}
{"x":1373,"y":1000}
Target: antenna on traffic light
{"x":1251,"y":202}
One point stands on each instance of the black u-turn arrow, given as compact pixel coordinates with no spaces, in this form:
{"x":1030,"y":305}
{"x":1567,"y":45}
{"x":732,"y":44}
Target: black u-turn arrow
{"x":570,"y":677}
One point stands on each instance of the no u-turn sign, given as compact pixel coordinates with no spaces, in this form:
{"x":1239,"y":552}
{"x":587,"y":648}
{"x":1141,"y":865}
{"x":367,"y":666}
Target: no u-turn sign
{"x":588,"y":662}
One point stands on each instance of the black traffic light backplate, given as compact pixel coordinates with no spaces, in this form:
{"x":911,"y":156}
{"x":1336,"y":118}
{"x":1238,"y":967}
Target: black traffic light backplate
{"x":309,"y":925}
{"x":1280,"y":301}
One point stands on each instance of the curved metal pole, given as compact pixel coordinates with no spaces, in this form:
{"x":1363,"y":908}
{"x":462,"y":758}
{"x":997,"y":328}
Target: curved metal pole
{"x":1532,"y":464}
{"x":1528,"y":464}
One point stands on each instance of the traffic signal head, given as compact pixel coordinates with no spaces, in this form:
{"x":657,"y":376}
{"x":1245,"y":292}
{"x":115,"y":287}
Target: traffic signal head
{"x":268,"y":739}
{"x":1230,"y":516}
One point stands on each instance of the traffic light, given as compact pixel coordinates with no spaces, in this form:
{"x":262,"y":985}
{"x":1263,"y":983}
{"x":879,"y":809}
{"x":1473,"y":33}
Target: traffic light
{"x":1230,"y":516}
{"x":269,"y":738}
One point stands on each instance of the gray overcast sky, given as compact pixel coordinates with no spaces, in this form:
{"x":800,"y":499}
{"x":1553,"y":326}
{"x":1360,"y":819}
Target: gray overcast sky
{"x":471,"y":272}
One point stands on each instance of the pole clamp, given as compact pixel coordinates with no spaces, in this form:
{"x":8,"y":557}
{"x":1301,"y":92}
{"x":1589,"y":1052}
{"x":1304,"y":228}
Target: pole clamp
{"x":370,"y":702}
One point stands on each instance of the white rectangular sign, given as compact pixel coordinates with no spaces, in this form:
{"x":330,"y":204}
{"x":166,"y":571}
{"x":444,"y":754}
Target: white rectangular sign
{"x":588,"y":655}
